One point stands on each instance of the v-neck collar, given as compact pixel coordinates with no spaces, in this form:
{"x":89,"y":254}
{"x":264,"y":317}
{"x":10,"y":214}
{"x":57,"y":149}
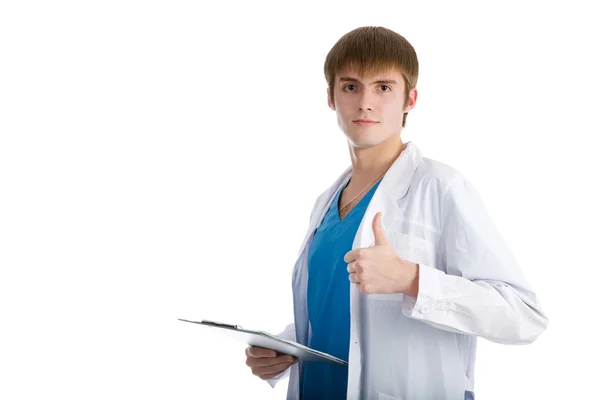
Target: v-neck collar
{"x":339,"y":194}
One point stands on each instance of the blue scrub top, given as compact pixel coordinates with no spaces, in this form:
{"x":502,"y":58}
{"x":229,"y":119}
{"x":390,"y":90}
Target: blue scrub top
{"x":328,"y":297}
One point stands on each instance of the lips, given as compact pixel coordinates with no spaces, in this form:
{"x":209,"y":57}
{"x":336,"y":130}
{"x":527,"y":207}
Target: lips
{"x":365,"y":122}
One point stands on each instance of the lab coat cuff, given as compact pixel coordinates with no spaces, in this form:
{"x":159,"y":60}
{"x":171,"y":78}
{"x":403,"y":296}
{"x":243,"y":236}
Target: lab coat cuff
{"x":273,"y":381}
{"x":429,"y":296}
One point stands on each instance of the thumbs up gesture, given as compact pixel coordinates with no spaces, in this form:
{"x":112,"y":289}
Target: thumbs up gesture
{"x":379,"y":269}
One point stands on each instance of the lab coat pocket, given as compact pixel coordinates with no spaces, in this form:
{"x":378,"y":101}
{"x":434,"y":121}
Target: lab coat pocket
{"x":413,"y":248}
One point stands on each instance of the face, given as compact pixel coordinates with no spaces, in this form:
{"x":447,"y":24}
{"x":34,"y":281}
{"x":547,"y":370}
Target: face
{"x":379,"y":99}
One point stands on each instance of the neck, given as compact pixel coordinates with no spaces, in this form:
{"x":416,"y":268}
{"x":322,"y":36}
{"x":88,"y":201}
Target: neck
{"x":369,"y":163}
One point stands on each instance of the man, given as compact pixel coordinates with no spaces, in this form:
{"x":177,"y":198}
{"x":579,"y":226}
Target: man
{"x":428,"y":272}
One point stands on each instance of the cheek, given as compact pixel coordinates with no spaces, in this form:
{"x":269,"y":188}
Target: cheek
{"x":393,"y":113}
{"x":342,"y":105}
{"x":343,"y":112}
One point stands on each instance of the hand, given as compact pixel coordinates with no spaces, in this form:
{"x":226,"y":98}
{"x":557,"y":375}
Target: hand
{"x":379,"y":269}
{"x":266,"y":363}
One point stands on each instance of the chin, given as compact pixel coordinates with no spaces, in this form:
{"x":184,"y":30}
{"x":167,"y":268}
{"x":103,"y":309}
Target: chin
{"x":363,"y":138}
{"x":365,"y":142}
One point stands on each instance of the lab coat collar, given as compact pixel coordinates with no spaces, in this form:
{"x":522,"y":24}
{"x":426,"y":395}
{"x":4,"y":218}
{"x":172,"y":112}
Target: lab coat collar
{"x":397,"y":179}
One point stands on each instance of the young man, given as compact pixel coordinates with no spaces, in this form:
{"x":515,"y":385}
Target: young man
{"x":401,"y":268}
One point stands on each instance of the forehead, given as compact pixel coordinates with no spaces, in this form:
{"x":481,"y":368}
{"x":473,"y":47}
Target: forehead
{"x":389,"y":74}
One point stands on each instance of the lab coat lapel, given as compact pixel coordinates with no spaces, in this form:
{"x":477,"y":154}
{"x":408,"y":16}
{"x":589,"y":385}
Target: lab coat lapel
{"x":323,"y":205}
{"x":392,"y":188}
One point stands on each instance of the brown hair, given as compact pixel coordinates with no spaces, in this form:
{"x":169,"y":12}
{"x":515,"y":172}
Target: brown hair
{"x":371,"y":50}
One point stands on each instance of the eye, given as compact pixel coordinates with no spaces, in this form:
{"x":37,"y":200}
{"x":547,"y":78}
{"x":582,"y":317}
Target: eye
{"x":386,"y":86}
{"x":347,"y":86}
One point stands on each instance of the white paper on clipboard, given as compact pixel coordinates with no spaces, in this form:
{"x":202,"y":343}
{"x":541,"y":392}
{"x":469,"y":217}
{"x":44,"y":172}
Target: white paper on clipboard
{"x":268,"y":341}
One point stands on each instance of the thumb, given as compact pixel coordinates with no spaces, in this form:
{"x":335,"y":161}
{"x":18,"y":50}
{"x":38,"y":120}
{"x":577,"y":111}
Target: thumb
{"x":378,"y":230}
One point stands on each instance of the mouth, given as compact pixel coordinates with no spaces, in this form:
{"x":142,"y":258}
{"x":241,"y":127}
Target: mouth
{"x":365,"y":122}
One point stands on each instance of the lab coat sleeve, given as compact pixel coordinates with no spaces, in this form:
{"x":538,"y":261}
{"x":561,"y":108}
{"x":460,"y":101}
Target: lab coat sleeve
{"x":483,"y":291}
{"x":289,"y":333}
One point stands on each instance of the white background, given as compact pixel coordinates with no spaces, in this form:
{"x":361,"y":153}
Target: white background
{"x":159,"y":160}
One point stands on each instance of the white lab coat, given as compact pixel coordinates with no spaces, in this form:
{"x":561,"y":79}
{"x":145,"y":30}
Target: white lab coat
{"x":470,"y":285}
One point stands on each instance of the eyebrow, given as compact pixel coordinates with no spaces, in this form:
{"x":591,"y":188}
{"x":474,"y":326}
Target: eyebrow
{"x":349,"y":79}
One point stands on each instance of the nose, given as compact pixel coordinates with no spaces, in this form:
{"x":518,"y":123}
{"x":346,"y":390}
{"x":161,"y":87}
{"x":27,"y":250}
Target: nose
{"x":365,"y":103}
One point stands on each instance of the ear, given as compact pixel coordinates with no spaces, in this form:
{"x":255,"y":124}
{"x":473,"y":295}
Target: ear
{"x":329,"y":102}
{"x":412,"y":100}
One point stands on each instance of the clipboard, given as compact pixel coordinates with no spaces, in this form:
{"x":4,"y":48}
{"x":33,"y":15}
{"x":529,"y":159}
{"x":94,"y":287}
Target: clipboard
{"x":268,"y":341}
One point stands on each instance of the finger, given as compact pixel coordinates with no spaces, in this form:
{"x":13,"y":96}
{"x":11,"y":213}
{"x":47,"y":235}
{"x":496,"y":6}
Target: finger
{"x":351,"y":268}
{"x":378,"y":230}
{"x":268,"y":361}
{"x":256,"y":352}
{"x":271,"y":369}
{"x":353,"y":277}
{"x":350,"y":256}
